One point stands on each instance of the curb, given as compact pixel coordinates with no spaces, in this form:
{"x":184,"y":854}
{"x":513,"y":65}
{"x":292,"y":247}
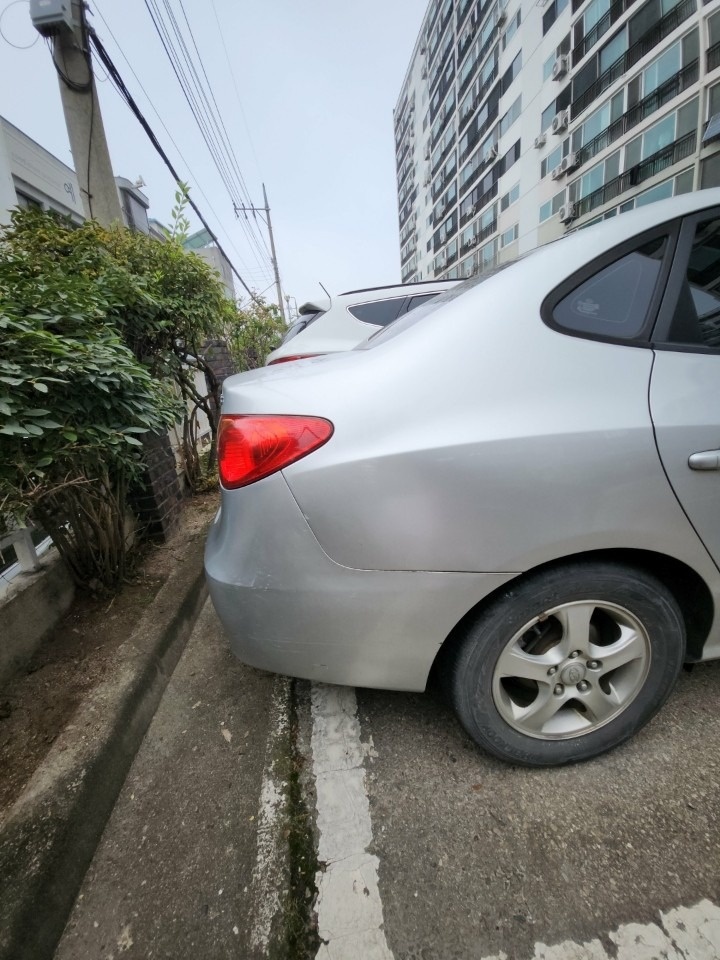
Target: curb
{"x":52,"y":830}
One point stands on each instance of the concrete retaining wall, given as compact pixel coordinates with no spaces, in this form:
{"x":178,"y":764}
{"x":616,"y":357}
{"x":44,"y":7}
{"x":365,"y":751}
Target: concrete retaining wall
{"x":35,"y":603}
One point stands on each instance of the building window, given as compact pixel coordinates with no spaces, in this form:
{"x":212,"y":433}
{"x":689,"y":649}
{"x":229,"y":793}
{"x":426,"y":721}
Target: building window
{"x":710,"y":172}
{"x":509,"y":118}
{"x":511,"y":30}
{"x":599,"y":121}
{"x":552,"y":207}
{"x":547,"y":116}
{"x":511,"y":197}
{"x":27,"y":203}
{"x":509,"y":236}
{"x":662,"y":134}
{"x":674,"y":187}
{"x":551,"y":161}
{"x":596,"y":177}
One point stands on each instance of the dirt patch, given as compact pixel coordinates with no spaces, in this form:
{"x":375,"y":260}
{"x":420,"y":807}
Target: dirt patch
{"x":36,"y":705}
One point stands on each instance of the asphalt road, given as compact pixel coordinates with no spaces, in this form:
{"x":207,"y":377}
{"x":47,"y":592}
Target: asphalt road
{"x":427,"y":848}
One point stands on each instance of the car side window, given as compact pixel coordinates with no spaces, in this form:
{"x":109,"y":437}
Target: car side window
{"x":378,"y":312}
{"x":696,"y":318}
{"x":418,"y":301}
{"x":614,"y":302}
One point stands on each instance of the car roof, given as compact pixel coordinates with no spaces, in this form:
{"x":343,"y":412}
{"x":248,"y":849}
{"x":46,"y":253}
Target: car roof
{"x":348,"y":297}
{"x":400,"y":286}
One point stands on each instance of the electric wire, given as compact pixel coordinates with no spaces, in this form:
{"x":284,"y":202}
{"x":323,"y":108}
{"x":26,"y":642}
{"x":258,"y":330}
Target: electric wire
{"x":222,"y":136}
{"x":191,"y":96}
{"x":232,"y":157}
{"x":17,"y":46}
{"x":197,"y":99}
{"x":119,"y":84}
{"x":174,"y":143}
{"x":235,"y":86}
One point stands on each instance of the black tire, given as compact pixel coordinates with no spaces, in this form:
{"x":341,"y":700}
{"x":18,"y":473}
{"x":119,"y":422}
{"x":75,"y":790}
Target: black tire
{"x":472,"y":677}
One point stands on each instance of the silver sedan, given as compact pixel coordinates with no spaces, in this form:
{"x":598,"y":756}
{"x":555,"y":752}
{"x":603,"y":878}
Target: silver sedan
{"x":516,"y":487}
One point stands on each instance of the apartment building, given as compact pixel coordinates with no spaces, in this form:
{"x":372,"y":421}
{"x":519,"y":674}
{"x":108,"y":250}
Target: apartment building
{"x":520,"y":120}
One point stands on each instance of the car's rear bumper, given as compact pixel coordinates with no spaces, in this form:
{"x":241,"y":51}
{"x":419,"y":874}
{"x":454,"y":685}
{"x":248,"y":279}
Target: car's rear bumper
{"x":287,"y":607}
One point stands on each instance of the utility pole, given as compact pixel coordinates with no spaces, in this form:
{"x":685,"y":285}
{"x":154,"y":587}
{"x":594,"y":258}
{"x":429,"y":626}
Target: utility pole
{"x":273,"y":257}
{"x":73,"y":63}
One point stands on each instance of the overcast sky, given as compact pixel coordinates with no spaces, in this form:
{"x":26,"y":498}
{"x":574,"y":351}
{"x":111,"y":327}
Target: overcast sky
{"x":317,"y":83}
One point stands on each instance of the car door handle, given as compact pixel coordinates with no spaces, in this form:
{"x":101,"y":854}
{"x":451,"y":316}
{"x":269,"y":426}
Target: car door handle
{"x":706,"y":460}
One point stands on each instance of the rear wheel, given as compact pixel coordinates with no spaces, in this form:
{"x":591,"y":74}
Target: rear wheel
{"x":568,"y":663}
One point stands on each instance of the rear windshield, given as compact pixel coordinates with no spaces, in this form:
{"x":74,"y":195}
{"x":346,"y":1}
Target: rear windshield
{"x":410,"y":319}
{"x":300,"y":324}
{"x":381,"y":313}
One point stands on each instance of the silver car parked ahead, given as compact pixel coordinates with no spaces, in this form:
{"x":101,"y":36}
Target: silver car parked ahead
{"x":518,"y":484}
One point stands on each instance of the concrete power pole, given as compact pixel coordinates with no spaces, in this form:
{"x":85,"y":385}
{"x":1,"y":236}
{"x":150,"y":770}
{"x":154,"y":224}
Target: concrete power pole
{"x":273,"y":257}
{"x":71,"y":55}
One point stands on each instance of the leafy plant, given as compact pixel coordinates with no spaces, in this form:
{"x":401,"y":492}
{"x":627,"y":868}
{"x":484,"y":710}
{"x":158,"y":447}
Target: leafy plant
{"x":103,"y":339}
{"x":74,"y":401}
{"x":180,"y":229}
{"x":255,"y":331}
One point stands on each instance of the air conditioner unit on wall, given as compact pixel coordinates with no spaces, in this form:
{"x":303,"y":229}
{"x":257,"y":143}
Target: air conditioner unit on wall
{"x":540,"y":141}
{"x":556,"y":172}
{"x":569,"y":162}
{"x":567,"y":212}
{"x":560,"y":121}
{"x":500,"y":18}
{"x":560,"y":68}
{"x":491,"y":154}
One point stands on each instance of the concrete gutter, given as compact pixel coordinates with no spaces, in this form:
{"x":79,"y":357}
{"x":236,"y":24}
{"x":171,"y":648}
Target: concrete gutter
{"x":50,"y":834}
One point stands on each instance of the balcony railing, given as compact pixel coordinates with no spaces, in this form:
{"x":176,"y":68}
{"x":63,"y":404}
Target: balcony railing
{"x":477,"y":238}
{"x":443,"y":156}
{"x":481,"y":202}
{"x":713,"y":57}
{"x":441,"y":183}
{"x":617,"y":9}
{"x":478,"y":98}
{"x":663,"y":28}
{"x":479,"y":60}
{"x":656,"y":163}
{"x":441,"y":125}
{"x":648,"y":105}
{"x":462,"y":11}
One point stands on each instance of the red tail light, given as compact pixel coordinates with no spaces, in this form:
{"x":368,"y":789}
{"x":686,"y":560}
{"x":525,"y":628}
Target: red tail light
{"x":252,"y":447}
{"x":295,"y":356}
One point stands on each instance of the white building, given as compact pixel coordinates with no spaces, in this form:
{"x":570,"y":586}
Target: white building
{"x":521,"y":119}
{"x":31,"y":176}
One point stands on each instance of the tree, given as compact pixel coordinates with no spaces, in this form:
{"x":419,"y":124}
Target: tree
{"x":254,"y":332}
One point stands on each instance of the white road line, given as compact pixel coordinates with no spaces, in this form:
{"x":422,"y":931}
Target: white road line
{"x":268,"y":874}
{"x":348,"y":905}
{"x":686,"y":933}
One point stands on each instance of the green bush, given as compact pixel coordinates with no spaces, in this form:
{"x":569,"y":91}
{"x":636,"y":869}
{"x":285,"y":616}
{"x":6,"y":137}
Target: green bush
{"x":101,"y":336}
{"x":74,"y":400}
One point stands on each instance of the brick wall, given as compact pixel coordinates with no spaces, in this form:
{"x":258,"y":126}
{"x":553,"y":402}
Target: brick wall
{"x":217,"y":354}
{"x":157,"y":498}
